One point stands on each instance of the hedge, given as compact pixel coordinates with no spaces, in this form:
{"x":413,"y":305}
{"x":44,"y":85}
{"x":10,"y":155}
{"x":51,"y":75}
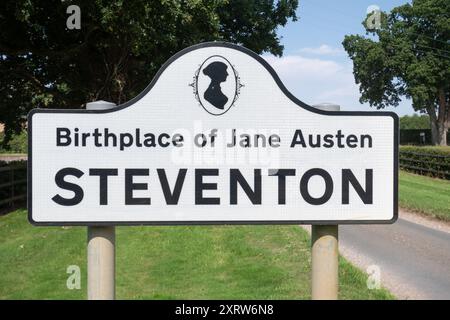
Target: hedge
{"x":17,"y":144}
{"x":430,"y":161}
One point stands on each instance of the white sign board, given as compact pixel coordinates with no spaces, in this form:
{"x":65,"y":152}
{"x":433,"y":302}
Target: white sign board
{"x":214,"y":139}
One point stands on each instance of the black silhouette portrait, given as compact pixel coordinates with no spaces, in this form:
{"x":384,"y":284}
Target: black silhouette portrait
{"x":217,"y":71}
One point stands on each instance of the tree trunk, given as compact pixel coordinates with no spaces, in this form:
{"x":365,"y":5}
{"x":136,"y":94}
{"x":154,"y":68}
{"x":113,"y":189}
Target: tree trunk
{"x":443,"y":117}
{"x":435,"y":137}
{"x":439,"y":122}
{"x":438,"y":129}
{"x":442,"y":134}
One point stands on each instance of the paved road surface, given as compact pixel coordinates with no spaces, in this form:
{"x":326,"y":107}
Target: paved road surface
{"x":414,"y":259}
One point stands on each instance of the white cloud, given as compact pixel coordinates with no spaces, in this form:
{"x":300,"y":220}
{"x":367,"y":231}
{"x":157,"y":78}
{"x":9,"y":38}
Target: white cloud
{"x":319,"y":80}
{"x":314,"y":80}
{"x":296,"y":65}
{"x":324,"y":49}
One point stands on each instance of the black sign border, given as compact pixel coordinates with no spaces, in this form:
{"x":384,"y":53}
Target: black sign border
{"x":224,"y":222}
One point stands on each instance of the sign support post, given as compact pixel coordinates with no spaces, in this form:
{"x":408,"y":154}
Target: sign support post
{"x":101,"y":251}
{"x":325,"y":251}
{"x":325,"y":260}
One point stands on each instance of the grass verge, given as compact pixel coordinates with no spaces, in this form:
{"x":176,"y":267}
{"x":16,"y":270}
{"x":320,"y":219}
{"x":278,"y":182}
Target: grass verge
{"x":220,"y":262}
{"x":425,"y":195}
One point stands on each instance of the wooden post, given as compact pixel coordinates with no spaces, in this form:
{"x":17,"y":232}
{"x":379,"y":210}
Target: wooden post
{"x":101,"y":263}
{"x":325,"y":252}
{"x":325,"y":262}
{"x":101,"y":254}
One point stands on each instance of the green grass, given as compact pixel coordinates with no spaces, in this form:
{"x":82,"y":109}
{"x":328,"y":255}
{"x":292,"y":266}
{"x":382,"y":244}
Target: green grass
{"x":425,"y":195}
{"x":220,"y":262}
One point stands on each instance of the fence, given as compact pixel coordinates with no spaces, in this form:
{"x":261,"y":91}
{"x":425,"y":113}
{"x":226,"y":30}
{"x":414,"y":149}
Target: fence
{"x":418,"y":137}
{"x":425,"y":163}
{"x":13,"y":184}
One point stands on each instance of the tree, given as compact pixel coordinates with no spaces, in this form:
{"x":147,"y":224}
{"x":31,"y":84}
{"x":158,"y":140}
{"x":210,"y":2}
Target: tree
{"x":415,"y":122}
{"x":409,"y":56}
{"x":119,"y":47}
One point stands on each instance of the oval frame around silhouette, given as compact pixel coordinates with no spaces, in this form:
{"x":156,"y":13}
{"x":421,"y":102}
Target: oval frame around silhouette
{"x":215,"y":96}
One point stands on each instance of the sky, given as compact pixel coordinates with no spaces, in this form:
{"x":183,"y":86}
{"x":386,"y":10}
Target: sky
{"x":314,"y":66}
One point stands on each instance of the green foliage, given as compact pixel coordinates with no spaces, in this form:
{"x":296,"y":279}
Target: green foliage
{"x":409,"y":55}
{"x":406,"y":58}
{"x":119,"y":48}
{"x":415,"y":122}
{"x":431,"y":161}
{"x":18,"y":143}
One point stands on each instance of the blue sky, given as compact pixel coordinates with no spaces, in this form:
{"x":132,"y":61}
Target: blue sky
{"x":314,"y":66}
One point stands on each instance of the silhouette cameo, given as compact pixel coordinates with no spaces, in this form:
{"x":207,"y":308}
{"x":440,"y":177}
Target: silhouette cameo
{"x":217,"y":71}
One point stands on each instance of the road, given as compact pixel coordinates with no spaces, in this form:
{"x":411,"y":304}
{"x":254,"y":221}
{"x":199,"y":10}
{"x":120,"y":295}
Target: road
{"x":413,"y":255}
